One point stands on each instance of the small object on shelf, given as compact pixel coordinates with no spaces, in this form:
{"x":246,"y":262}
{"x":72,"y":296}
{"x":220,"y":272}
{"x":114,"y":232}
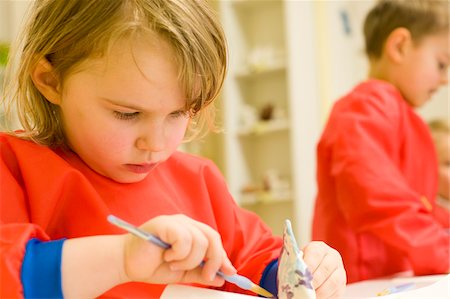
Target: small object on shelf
{"x":263,"y":58}
{"x":266,"y":112}
{"x":272,"y":189}
{"x":278,"y":187}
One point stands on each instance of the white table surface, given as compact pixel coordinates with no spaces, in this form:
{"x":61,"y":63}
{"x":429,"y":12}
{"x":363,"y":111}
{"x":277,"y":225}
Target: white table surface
{"x":431,"y":286}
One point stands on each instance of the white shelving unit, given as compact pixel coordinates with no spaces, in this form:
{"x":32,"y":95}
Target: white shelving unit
{"x":263,"y":103}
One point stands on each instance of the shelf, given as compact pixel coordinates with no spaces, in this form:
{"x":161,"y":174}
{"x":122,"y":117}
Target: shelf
{"x":257,"y":96}
{"x":252,"y":72}
{"x":263,"y":197}
{"x":265,"y":127}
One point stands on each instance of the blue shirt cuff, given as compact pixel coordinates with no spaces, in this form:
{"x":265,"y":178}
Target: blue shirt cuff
{"x":269,"y":278}
{"x":41,"y":269}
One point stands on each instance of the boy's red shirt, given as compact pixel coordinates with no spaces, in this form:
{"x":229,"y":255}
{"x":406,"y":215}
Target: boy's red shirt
{"x":377,"y":184}
{"x":51,"y":194}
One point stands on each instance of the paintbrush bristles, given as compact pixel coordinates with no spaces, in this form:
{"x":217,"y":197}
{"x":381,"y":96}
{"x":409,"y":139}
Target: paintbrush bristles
{"x":260,"y":291}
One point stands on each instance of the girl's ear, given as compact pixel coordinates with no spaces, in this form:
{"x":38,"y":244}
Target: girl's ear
{"x":46,"y":82}
{"x":397,"y":43}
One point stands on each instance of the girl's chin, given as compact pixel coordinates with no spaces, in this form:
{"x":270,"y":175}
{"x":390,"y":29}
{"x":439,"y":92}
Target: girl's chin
{"x":130,"y":179}
{"x":126,"y":177}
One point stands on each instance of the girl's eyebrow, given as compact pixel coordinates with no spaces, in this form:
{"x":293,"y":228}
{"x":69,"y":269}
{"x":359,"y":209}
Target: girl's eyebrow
{"x":122,"y":103}
{"x":134,"y":107}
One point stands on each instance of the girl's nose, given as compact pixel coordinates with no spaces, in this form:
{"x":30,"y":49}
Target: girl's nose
{"x":152,"y":140}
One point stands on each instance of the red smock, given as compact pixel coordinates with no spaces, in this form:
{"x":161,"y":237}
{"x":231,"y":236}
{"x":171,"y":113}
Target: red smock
{"x":377,"y":184}
{"x":52,"y":194}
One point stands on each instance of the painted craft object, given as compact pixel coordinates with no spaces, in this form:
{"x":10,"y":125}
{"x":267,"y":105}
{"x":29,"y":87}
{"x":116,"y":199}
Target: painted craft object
{"x":294,"y":278}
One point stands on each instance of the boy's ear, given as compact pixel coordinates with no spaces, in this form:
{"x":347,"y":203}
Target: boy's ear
{"x":396,"y":44}
{"x":46,"y":82}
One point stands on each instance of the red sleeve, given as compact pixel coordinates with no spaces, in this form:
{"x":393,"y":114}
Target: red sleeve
{"x":15,"y":231}
{"x":249,"y":243}
{"x":14,"y":238}
{"x":373,"y":192}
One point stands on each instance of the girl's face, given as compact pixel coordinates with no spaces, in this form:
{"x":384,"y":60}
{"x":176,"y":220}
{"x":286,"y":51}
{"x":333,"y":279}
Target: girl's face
{"x":424,"y":69}
{"x":125,"y":113}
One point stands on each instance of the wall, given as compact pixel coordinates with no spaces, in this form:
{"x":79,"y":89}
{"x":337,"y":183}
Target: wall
{"x":11,"y":15}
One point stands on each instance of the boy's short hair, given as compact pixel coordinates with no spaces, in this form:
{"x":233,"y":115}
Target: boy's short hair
{"x":420,"y":17}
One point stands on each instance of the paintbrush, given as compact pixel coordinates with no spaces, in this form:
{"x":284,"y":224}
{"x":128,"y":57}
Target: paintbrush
{"x":239,"y":280}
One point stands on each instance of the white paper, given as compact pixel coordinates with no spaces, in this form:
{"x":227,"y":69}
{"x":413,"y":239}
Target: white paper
{"x":432,"y":286}
{"x":176,"y":291}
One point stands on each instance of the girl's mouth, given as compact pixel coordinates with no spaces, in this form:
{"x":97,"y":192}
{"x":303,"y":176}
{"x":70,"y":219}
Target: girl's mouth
{"x":140,"y":168}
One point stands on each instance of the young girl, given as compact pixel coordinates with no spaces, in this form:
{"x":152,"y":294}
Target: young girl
{"x":105,"y":91}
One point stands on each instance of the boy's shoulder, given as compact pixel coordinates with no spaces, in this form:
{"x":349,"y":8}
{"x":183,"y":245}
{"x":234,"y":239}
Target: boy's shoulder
{"x":373,"y":94}
{"x":378,"y":86}
{"x":379,"y":90}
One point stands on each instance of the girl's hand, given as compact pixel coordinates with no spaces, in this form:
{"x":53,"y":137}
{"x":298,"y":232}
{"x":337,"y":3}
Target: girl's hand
{"x":192,"y":242}
{"x":325,"y":263}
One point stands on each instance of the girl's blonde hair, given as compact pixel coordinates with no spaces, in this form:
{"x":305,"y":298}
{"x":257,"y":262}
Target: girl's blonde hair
{"x":420,"y":17}
{"x":68,"y":32}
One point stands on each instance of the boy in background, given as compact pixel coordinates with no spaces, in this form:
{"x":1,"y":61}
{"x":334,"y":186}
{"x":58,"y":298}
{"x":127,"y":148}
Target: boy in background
{"x":377,"y":166}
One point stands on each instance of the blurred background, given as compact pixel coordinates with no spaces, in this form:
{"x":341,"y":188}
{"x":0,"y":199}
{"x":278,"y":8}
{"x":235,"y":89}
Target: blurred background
{"x":289,"y":61}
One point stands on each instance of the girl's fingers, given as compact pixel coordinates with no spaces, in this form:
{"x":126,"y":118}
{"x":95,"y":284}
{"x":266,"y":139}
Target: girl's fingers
{"x":313,"y":254}
{"x":327,"y":268}
{"x":181,"y":241}
{"x":192,"y":243}
{"x":197,"y":251}
{"x":333,"y":286}
{"x":205,"y":245}
{"x":196,"y":276}
{"x":227,"y":267}
{"x":215,"y":257}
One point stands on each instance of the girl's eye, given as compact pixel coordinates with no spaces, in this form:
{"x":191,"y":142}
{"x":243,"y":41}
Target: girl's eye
{"x":126,"y":115}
